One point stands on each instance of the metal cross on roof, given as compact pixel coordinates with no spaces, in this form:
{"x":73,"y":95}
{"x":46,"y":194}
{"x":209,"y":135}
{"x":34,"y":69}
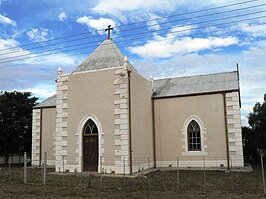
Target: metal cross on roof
{"x":109,"y":31}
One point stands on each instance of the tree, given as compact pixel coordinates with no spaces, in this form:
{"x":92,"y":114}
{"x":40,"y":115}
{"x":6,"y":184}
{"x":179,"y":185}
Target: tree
{"x":249,"y":144}
{"x":15,"y":122}
{"x":254,"y":138}
{"x":257,"y":121}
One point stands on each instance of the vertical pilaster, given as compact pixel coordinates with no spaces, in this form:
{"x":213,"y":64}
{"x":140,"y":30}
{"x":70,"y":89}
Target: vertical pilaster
{"x":61,"y":122}
{"x":36,"y":129}
{"x":234,"y":129}
{"x":121,"y":121}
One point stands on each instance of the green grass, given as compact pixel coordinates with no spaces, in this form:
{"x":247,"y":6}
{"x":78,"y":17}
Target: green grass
{"x":161,"y":184}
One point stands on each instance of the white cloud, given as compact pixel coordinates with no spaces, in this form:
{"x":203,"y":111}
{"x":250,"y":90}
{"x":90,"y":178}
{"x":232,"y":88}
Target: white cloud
{"x":40,"y":34}
{"x":9,"y":43}
{"x":111,"y":6}
{"x":9,"y":50}
{"x":182,"y":30}
{"x":153,"y":22}
{"x":165,"y":47}
{"x":42,"y":91}
{"x":5,"y":20}
{"x":62,"y":16}
{"x":96,"y":24}
{"x":55,"y":60}
{"x":254,"y":30}
{"x":126,"y":8}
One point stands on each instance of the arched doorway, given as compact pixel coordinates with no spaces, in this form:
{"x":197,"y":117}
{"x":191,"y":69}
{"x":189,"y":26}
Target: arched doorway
{"x":90,"y":146}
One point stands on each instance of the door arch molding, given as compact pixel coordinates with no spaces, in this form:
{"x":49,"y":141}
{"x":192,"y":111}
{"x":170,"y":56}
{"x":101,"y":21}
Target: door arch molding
{"x":80,"y":138}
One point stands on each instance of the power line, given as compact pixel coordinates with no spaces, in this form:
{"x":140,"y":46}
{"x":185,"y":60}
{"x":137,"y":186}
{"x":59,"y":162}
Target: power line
{"x":154,"y":19}
{"x":147,"y":26}
{"x":173,"y":32}
{"x":193,"y":12}
{"x":126,"y":41}
{"x":114,"y":38}
{"x":145,"y":32}
{"x":62,"y":56}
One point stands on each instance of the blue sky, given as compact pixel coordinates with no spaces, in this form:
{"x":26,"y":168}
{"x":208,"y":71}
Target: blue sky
{"x":191,"y":43}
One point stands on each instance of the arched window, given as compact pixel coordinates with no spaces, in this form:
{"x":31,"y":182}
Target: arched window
{"x":90,"y":128}
{"x":193,"y":135}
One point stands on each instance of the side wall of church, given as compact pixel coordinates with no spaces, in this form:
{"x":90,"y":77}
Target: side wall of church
{"x":141,"y":127}
{"x":43,"y":132}
{"x":48,"y":133}
{"x":172,"y":116}
{"x":36,"y":125}
{"x":234,"y":129}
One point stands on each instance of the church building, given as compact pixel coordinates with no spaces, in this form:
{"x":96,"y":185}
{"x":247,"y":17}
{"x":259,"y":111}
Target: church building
{"x":106,"y":117}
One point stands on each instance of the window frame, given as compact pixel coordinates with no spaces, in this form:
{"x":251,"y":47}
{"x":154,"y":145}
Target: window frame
{"x":196,"y":137}
{"x":87,"y":125}
{"x":203,"y":138}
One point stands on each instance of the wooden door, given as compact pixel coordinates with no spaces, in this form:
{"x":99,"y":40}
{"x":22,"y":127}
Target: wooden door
{"x":90,"y":153}
{"x":90,"y":146}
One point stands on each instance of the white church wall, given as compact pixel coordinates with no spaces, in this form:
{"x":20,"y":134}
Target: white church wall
{"x":36,"y":121}
{"x":234,"y":129}
{"x":141,"y":127}
{"x":192,"y":163}
{"x":172,"y":114}
{"x":43,"y":132}
{"x":121,"y":138}
{"x":48,"y":133}
{"x":61,"y":123}
{"x":95,"y":93}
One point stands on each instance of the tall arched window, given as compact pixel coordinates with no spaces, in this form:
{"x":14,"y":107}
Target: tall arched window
{"x":193,"y":135}
{"x":90,"y":128}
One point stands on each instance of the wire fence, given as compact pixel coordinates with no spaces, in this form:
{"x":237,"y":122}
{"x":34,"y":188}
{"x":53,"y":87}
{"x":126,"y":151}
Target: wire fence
{"x":172,"y":177}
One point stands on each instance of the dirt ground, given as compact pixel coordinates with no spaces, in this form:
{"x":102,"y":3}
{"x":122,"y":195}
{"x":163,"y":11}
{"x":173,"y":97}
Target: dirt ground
{"x":160,"y":184}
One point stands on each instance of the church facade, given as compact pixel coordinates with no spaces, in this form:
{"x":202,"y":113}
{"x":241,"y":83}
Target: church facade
{"x":107,"y":118}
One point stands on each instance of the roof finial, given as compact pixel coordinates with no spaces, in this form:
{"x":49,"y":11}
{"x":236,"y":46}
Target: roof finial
{"x":109,"y":31}
{"x":59,"y":73}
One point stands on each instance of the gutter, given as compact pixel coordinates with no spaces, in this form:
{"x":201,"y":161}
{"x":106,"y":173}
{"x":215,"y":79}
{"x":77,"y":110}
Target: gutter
{"x":129,"y":123}
{"x":226,"y":132}
{"x":195,"y":94}
{"x":40,"y":155}
{"x":153,"y":132}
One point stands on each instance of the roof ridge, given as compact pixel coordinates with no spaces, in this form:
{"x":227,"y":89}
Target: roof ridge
{"x":112,"y":47}
{"x":210,"y":74}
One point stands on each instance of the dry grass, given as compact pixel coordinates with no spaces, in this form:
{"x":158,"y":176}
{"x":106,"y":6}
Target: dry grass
{"x":162,"y":184}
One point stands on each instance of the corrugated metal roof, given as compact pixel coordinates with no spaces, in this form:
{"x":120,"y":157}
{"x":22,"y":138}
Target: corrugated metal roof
{"x":196,"y":84}
{"x":107,"y":55}
{"x":51,"y":101}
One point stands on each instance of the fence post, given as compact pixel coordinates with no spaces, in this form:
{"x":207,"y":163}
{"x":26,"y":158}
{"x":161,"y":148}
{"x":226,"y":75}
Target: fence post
{"x":8,"y":170}
{"x":81,"y":180}
{"x":101,"y":162}
{"x":204,"y":174}
{"x":263,"y":177}
{"x":89,"y":182}
{"x":25,"y":168}
{"x":44,"y":168}
{"x":149,"y":169}
{"x":63,"y":164}
{"x":124,"y":167}
{"x":177,"y":173}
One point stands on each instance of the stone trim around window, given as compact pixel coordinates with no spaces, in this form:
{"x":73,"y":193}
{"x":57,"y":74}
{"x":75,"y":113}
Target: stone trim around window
{"x":185,"y":151}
